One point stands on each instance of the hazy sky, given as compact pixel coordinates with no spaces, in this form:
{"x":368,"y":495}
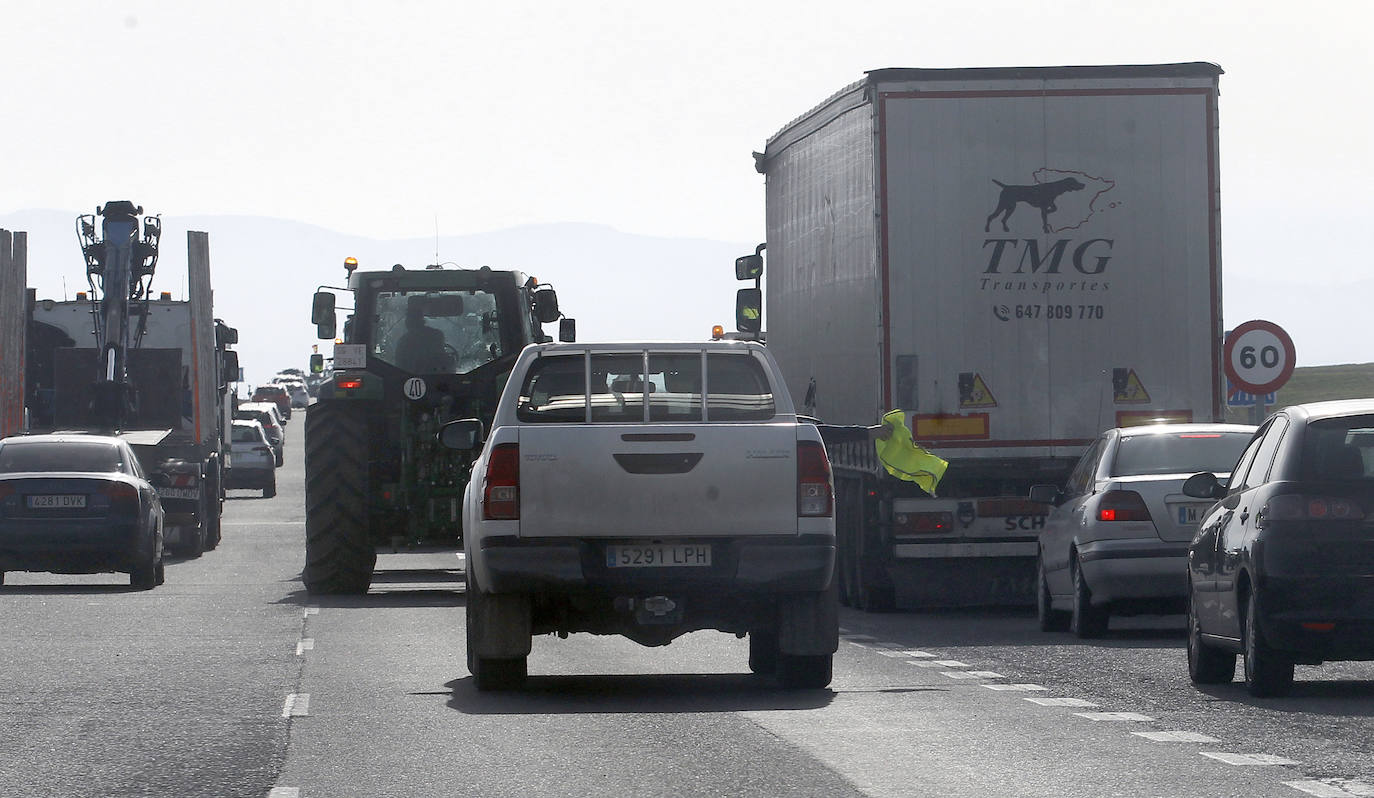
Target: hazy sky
{"x":378,"y":119}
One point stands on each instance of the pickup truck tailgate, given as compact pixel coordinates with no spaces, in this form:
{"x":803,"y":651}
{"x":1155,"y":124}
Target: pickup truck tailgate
{"x":678,"y":480}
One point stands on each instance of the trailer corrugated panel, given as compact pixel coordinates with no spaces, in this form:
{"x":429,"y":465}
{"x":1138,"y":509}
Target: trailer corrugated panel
{"x":204,"y":380}
{"x":823,"y":269}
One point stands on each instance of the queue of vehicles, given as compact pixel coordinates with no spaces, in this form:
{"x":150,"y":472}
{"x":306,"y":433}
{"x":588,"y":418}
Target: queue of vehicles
{"x":639,"y":489}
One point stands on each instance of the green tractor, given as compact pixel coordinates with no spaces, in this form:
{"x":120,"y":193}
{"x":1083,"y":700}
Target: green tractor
{"x":422,"y":347}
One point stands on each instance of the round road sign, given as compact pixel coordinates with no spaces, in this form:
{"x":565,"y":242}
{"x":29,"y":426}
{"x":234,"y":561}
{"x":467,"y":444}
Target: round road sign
{"x":1259,"y":357}
{"x":414,"y":388}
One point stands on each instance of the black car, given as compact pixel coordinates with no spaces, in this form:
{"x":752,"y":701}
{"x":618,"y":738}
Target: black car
{"x":78,"y":504}
{"x":1282,"y":567}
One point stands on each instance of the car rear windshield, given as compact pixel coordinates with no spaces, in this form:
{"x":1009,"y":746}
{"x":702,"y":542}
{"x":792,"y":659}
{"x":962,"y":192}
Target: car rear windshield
{"x":246,"y":435}
{"x":1178,"y":453}
{"x":1338,"y":448}
{"x":65,"y":456}
{"x":735,"y":388}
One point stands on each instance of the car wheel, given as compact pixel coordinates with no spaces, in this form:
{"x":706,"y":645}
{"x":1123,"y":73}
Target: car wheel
{"x":1048,"y":618}
{"x":1206,"y":665}
{"x":271,"y":489}
{"x":763,"y":652}
{"x":1267,"y":672}
{"x":279,"y":458}
{"x":144,"y":575}
{"x":805,"y":671}
{"x":1086,"y":621}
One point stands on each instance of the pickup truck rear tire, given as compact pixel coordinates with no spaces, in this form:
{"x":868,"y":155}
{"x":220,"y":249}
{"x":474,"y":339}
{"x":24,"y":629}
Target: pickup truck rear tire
{"x":805,"y":671}
{"x":339,"y":555}
{"x":501,"y":623}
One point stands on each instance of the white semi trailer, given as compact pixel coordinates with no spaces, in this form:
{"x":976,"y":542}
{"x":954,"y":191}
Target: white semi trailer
{"x":1018,"y":258}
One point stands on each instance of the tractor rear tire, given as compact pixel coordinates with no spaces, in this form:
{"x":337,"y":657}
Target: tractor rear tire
{"x":339,"y":554}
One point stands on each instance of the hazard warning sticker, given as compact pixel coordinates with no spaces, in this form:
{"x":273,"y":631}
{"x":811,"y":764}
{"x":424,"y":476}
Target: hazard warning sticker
{"x":973,"y":391}
{"x":1127,"y":389}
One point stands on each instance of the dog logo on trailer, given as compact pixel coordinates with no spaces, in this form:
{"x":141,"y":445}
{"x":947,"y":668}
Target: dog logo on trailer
{"x":1051,"y":187}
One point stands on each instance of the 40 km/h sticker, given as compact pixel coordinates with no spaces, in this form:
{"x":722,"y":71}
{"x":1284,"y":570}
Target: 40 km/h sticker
{"x":414,"y":388}
{"x":1259,"y":357}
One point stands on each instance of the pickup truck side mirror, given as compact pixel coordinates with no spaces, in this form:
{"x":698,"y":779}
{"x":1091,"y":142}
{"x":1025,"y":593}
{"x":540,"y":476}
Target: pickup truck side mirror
{"x":1204,"y":486}
{"x":1046,"y":494}
{"x":463,"y":435}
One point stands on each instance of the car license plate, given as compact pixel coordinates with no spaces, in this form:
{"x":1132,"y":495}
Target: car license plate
{"x":57,"y":501}
{"x":179,"y":493}
{"x":1188,"y":514}
{"x":659,"y":555}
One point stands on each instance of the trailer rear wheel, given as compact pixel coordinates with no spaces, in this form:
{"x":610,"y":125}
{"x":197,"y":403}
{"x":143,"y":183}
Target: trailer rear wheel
{"x":339,"y":555}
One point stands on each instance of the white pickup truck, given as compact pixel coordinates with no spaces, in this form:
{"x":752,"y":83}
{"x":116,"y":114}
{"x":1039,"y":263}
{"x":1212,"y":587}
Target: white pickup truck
{"x":648,"y":490}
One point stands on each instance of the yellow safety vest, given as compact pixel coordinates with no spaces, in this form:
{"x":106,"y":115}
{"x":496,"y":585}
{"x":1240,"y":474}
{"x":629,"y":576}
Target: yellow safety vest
{"x":903,"y":459}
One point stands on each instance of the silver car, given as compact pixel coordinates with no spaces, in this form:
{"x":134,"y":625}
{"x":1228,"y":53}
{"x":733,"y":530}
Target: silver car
{"x":1116,"y":537}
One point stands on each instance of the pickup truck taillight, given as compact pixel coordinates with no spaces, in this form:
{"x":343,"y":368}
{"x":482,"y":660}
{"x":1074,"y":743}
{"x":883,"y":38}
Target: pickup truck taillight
{"x":501,"y":493}
{"x":815,"y":497}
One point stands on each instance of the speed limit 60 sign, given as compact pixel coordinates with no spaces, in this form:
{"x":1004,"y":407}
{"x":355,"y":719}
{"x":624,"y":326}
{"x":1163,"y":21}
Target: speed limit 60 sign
{"x":1259,"y":357}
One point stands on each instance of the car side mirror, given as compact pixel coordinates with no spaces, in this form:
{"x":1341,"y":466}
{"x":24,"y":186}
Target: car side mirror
{"x":463,"y":435}
{"x":1046,"y":494}
{"x":322,"y":315}
{"x":1204,"y":486}
{"x":567,"y":330}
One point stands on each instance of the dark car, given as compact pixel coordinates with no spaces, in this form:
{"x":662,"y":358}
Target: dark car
{"x":78,"y":504}
{"x":1282,"y":567}
{"x":278,"y":394}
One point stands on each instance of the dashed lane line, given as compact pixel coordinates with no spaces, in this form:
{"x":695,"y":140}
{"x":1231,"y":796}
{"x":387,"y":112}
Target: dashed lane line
{"x":1176,"y":737}
{"x":1060,"y":702}
{"x":305,"y":644}
{"x":285,"y":792}
{"x":1333,"y":788}
{"x":1015,"y":688}
{"x":310,"y":611}
{"x":1135,"y":717}
{"x":297,"y":705}
{"x":1247,"y":759}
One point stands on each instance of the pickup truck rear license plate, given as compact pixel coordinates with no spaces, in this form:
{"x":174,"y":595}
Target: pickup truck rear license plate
{"x":659,"y":555}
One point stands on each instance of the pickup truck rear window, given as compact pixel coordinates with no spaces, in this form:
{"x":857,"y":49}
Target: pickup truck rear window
{"x":556,"y":388}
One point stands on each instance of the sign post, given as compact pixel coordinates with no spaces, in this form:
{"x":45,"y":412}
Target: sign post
{"x":1259,"y":358}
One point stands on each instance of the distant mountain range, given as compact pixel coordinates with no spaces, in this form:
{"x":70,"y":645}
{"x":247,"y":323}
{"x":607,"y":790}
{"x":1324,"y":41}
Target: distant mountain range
{"x":618,"y":286}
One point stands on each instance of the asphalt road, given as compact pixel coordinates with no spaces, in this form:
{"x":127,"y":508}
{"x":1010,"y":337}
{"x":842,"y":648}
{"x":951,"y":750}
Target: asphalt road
{"x":229,"y":681}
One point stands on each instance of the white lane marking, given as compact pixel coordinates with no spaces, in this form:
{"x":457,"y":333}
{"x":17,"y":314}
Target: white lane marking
{"x":852,"y":638}
{"x":1016,"y":688}
{"x":310,"y":611}
{"x":986,"y":674}
{"x":297,"y":705}
{"x":1128,"y":716}
{"x":1247,"y":759}
{"x":912,"y":652}
{"x":1332,"y":787}
{"x":1176,"y":737}
{"x":951,"y":663}
{"x":306,"y":644}
{"x":922,"y":663}
{"x":888,"y":652}
{"x":958,"y":674}
{"x":262,"y":523}
{"x":1061,"y":702}
{"x":285,"y":792}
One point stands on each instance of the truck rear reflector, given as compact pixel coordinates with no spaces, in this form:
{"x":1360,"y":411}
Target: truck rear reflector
{"x":974,"y":426}
{"x":501,"y":490}
{"x":815,"y":494}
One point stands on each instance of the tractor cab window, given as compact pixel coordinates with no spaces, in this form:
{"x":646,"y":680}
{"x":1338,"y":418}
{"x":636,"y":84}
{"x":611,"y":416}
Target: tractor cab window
{"x":436,"y":332}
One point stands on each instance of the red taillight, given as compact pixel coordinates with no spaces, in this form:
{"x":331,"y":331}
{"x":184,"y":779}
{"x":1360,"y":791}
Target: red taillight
{"x":501,"y":492}
{"x":350,"y":384}
{"x":1298,"y":507}
{"x":6,"y":489}
{"x":815,"y":491}
{"x":122,"y":494}
{"x":1122,"y":505}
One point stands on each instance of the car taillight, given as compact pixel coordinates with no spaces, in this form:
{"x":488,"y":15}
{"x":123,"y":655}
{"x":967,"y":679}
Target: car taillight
{"x":1302,"y":507}
{"x":501,"y":492}
{"x":815,"y":494}
{"x":121,"y":494}
{"x":1122,"y":505}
